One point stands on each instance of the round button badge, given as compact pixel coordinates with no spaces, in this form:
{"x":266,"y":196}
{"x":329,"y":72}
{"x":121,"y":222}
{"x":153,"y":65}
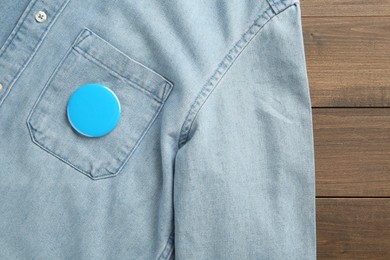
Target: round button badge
{"x":93,"y":110}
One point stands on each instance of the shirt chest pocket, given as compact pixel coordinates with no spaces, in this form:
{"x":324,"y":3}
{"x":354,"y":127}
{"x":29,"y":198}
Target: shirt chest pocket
{"x":141,"y":92}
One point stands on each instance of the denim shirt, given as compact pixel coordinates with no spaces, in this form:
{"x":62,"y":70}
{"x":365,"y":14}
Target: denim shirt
{"x":213,"y":154}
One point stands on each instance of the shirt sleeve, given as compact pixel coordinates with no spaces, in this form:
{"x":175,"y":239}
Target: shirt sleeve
{"x":244,"y":184}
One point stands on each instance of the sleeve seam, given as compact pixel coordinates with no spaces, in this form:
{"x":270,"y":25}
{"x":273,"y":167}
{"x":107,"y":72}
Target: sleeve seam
{"x":223,"y":68}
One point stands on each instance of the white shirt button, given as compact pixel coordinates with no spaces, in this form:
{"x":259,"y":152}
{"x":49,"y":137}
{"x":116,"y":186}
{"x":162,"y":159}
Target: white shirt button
{"x":1,"y":87}
{"x":40,"y":16}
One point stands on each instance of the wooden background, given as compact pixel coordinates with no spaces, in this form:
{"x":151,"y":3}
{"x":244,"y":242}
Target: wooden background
{"x":347,"y":45}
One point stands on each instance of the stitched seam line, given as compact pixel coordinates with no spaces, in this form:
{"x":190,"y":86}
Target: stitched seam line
{"x":221,"y":70}
{"x":31,"y":128}
{"x":168,"y":249}
{"x":273,"y":6}
{"x":17,"y":28}
{"x":76,"y":166}
{"x":280,"y":5}
{"x":223,"y":67}
{"x":79,"y":168}
{"x":100,"y":63}
{"x":162,"y":81}
{"x":36,"y":48}
{"x":82,"y":37}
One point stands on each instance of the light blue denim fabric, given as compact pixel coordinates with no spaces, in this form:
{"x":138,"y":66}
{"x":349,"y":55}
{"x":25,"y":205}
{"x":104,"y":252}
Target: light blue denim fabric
{"x":213,"y":154}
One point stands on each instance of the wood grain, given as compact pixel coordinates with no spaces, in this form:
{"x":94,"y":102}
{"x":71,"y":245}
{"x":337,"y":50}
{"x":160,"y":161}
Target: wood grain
{"x":345,"y":7}
{"x":348,"y":60}
{"x":353,"y":229}
{"x":352,"y":151}
{"x":347,"y":46}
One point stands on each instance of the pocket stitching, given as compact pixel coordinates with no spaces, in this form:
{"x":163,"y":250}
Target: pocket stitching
{"x":116,"y":74}
{"x":109,"y":70}
{"x":112,"y":174}
{"x":29,"y":117}
{"x":97,"y":39}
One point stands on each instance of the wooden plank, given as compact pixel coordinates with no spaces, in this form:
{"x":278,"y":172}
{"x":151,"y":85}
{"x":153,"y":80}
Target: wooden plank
{"x":353,"y":229}
{"x":345,"y":7}
{"x":352,"y":151}
{"x":348,"y":60}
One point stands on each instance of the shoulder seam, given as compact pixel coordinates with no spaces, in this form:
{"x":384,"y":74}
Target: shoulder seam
{"x":224,"y":66}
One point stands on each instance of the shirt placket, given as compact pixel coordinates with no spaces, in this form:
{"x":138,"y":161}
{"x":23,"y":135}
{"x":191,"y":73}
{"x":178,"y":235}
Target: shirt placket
{"x":25,"y":39}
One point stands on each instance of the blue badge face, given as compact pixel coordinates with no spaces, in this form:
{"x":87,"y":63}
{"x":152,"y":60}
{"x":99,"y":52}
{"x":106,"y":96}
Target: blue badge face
{"x":93,"y":110}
